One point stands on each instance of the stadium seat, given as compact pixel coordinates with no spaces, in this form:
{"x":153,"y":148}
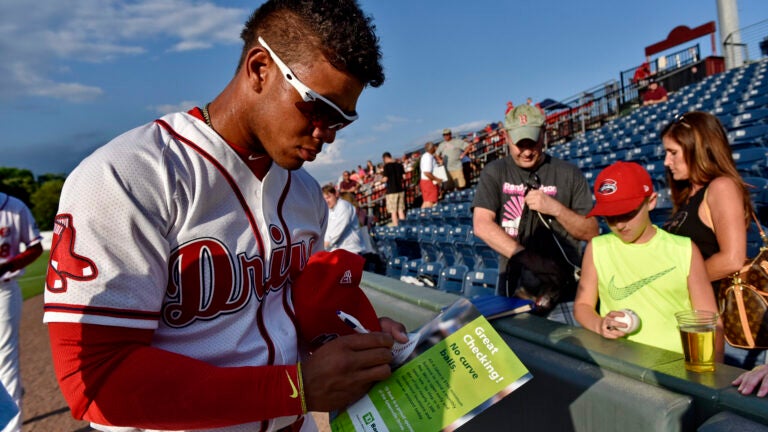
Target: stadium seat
{"x":480,"y":282}
{"x":752,"y":161}
{"x":411,"y":267}
{"x":753,"y":116}
{"x":406,"y":242}
{"x":429,"y":273}
{"x":463,"y":213}
{"x":452,"y":278}
{"x":749,"y":136}
{"x":395,"y":266}
{"x":487,"y":257}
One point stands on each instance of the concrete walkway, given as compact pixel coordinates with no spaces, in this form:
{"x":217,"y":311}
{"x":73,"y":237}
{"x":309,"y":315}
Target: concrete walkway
{"x":43,"y":407}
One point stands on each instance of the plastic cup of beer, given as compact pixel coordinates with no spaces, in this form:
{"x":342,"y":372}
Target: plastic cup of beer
{"x":697,"y":332}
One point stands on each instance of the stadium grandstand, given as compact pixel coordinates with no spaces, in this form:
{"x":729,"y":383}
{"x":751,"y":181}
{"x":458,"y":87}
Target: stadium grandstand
{"x":583,"y":382}
{"x":601,"y":125}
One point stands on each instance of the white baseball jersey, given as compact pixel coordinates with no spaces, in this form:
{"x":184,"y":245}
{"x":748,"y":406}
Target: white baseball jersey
{"x":166,"y":228}
{"x":17,"y":227}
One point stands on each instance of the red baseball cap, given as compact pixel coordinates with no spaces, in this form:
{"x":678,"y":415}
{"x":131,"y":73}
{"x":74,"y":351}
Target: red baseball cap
{"x":621,"y":188}
{"x":329,"y":283}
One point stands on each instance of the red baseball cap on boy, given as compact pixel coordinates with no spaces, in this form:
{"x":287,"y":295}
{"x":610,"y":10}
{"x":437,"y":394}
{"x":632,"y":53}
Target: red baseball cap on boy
{"x":329,"y":283}
{"x":621,"y":188}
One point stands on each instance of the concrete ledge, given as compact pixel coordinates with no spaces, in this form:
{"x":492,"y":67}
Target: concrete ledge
{"x":711,"y":393}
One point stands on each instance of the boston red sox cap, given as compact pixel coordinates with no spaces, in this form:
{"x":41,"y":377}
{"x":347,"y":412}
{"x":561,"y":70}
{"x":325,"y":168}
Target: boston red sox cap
{"x":330,"y":282}
{"x":621,"y":188}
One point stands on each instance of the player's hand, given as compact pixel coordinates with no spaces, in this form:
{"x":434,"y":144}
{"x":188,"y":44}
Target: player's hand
{"x":344,"y":369}
{"x":396,"y":329}
{"x":610,"y":328}
{"x":537,"y":200}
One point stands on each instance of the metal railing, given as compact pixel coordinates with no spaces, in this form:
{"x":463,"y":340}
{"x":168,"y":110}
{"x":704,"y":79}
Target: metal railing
{"x":747,"y":44}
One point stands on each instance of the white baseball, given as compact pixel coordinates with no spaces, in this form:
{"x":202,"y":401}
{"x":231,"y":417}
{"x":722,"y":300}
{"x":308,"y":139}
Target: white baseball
{"x":630,"y":318}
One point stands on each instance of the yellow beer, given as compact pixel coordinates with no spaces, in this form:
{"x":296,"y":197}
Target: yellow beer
{"x":698,"y":347}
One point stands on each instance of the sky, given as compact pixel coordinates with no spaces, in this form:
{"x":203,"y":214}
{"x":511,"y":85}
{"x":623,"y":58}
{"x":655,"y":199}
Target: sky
{"x":77,"y":74}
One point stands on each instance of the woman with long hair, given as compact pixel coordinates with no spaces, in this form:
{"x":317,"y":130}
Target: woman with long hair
{"x":711,"y":202}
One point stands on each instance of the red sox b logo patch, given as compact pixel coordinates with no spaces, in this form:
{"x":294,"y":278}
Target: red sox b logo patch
{"x":65,"y":263}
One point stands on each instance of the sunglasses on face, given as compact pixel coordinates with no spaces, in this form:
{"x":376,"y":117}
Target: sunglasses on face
{"x":319,"y":110}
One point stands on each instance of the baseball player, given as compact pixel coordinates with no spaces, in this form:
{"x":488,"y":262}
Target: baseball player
{"x":17,"y":227}
{"x":168,"y":294}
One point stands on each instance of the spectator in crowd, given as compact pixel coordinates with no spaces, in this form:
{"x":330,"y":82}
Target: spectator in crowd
{"x":642,"y":73}
{"x":17,"y":229}
{"x":395,"y":197}
{"x":143,"y":335}
{"x":429,"y":183}
{"x":361,"y":173}
{"x":670,"y":266}
{"x":656,"y":93}
{"x":451,"y":151}
{"x":530,"y":205}
{"x":344,"y":227}
{"x":373,"y":261}
{"x":755,"y":379}
{"x":711,"y":202}
{"x":510,"y":107}
{"x":370,"y":169}
{"x":355,"y":176}
{"x":348,"y":184}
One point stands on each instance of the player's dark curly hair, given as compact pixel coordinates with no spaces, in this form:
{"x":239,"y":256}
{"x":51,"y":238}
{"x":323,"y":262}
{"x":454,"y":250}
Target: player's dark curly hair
{"x":338,"y":29}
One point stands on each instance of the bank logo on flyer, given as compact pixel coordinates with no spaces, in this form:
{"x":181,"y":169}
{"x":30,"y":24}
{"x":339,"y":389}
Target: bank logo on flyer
{"x":368,"y":418}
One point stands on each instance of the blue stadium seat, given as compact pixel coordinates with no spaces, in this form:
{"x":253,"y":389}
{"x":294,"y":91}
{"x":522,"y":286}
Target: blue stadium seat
{"x":429,"y":273}
{"x":760,"y":101}
{"x":752,"y":161}
{"x":487,"y":257}
{"x":407,"y":242}
{"x":758,"y":190}
{"x":749,"y":136}
{"x":411,"y":267}
{"x":452,"y":278}
{"x":480,"y":282}
{"x":463,"y":213}
{"x":395,"y":266}
{"x":753,"y":116}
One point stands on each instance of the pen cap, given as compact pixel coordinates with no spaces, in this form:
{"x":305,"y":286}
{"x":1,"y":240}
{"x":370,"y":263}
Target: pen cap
{"x":331,"y":282}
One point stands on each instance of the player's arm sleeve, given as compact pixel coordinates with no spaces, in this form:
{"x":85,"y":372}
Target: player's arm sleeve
{"x":110,"y":375}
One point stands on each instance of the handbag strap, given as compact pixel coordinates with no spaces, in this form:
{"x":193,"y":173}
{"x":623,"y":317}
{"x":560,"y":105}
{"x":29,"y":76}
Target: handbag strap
{"x":760,"y":228}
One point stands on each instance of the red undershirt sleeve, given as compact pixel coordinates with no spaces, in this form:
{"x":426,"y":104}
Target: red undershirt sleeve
{"x":112,"y":376}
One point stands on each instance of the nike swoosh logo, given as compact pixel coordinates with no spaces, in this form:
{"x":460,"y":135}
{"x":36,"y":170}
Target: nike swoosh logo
{"x":293,"y":386}
{"x":619,"y":293}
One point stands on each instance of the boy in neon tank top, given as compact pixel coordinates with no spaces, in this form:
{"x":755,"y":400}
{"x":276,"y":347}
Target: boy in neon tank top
{"x":639,"y":266}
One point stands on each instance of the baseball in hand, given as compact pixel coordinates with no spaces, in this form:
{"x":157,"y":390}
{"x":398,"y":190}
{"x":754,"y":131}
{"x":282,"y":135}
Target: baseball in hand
{"x":631,"y":319}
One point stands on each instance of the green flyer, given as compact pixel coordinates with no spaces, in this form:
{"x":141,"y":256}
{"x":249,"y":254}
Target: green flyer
{"x":457,"y":366}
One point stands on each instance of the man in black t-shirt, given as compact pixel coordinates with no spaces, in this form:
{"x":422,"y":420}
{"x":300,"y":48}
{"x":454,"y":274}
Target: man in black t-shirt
{"x":393,"y":176}
{"x":529,"y":207}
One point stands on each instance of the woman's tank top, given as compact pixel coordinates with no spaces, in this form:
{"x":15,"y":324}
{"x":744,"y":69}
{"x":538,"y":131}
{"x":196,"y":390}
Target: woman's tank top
{"x":686,"y":222}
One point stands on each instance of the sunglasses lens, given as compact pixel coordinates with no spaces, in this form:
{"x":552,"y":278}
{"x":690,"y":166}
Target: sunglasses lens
{"x":322,"y":115}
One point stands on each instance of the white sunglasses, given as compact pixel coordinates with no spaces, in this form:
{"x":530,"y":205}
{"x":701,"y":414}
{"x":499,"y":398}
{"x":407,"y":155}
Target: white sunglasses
{"x":319,"y":110}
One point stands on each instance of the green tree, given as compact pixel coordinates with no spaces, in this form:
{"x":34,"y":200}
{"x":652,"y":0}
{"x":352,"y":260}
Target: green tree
{"x":45,"y":203}
{"x":18,"y":182}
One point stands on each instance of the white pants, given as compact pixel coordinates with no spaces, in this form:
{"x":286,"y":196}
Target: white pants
{"x":10,"y":320}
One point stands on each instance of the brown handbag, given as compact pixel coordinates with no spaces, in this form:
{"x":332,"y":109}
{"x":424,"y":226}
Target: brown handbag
{"x":744,"y":303}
